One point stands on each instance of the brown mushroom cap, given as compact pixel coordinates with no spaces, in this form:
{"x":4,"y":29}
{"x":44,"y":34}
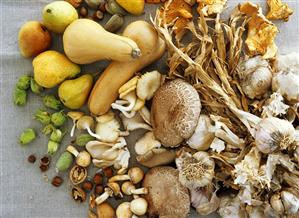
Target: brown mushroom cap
{"x":166,"y":196}
{"x":175,"y":112}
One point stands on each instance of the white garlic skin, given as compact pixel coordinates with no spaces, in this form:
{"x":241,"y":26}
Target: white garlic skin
{"x":287,"y":84}
{"x":287,"y":61}
{"x":256,"y":77}
{"x":202,"y":136}
{"x":273,"y":133}
{"x":290,"y":202}
{"x":276,"y":203}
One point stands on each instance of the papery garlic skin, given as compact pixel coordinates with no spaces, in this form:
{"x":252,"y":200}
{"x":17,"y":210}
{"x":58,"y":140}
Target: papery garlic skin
{"x":287,"y":61}
{"x":274,"y":134}
{"x":230,"y":207}
{"x":287,"y":84}
{"x":274,"y":106}
{"x":290,"y":202}
{"x":202,"y":136}
{"x":276,"y":203}
{"x":256,"y":77}
{"x":195,"y":170}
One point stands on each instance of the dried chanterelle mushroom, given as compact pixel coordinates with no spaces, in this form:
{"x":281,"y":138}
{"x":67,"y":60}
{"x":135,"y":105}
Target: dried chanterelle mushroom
{"x":166,"y":196}
{"x":175,"y":112}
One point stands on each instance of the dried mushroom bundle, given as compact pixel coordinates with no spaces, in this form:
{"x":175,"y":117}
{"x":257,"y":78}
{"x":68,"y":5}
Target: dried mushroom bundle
{"x":248,"y":125}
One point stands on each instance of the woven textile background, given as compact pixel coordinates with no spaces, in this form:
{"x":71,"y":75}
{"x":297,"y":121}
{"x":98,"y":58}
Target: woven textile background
{"x":24,"y":191}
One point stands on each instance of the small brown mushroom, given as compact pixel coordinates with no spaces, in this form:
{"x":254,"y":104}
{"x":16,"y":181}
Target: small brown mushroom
{"x":175,"y":112}
{"x":135,"y":174}
{"x":166,"y":196}
{"x":112,"y":189}
{"x":105,"y":210}
{"x":123,"y":210}
{"x":128,"y":188}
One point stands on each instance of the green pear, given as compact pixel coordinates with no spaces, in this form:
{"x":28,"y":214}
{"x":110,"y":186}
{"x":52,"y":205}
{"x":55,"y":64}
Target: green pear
{"x":58,"y":15}
{"x":74,"y":93}
{"x":51,"y":68}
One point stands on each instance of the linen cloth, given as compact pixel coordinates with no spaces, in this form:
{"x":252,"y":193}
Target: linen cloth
{"x":25,"y":191}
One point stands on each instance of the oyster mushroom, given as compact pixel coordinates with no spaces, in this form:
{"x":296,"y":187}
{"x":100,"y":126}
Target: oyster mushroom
{"x":108,"y":128}
{"x":126,"y":106}
{"x":166,"y":196}
{"x":146,"y":143}
{"x":136,"y":122}
{"x":156,"y":157}
{"x":148,"y":84}
{"x":175,"y":112}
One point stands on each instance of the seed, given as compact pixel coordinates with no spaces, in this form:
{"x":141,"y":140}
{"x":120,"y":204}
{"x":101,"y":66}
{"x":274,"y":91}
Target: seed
{"x":45,"y":160}
{"x":87,"y":186}
{"x":44,"y":168}
{"x":98,"y":179}
{"x":31,"y":158}
{"x":99,"y":189}
{"x":108,"y":172}
{"x":83,"y":11}
{"x":57,"y":181}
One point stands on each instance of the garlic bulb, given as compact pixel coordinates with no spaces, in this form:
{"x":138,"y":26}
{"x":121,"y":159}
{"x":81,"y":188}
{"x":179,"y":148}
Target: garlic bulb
{"x":202,"y":136}
{"x":290,"y":202}
{"x":274,"y":134}
{"x":287,"y":84}
{"x":288,"y":61}
{"x":195,"y":170}
{"x":255,"y":77}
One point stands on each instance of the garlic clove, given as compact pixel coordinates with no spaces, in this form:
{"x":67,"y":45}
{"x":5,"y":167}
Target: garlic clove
{"x":134,"y":123}
{"x":202,"y":136}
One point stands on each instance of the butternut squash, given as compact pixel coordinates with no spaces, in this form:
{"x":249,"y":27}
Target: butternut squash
{"x":105,"y":91}
{"x":85,"y":41}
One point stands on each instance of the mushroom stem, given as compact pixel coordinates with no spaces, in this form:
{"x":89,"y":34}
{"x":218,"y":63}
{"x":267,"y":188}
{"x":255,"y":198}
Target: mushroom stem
{"x":93,"y":134}
{"x":73,"y":130}
{"x":124,"y":133}
{"x":103,"y":197}
{"x":119,"y":178}
{"x":130,"y":114}
{"x":72,"y":150}
{"x":140,"y":191}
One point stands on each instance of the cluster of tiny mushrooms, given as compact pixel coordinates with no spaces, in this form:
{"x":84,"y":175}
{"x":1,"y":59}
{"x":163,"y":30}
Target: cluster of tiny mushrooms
{"x":225,"y":125}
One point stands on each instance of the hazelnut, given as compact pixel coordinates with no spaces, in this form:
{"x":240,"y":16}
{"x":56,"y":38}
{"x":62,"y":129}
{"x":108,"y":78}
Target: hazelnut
{"x":45,"y":160}
{"x":97,"y":179}
{"x":57,"y":181}
{"x":87,"y":186}
{"x":31,"y":158}
{"x":44,"y":168}
{"x":99,"y":189}
{"x":83,"y":12}
{"x":108,"y":172}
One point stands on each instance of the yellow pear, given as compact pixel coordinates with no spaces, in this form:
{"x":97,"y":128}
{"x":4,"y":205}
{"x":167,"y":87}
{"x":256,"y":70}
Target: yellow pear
{"x":135,"y":7}
{"x":74,"y":93}
{"x":51,"y":68}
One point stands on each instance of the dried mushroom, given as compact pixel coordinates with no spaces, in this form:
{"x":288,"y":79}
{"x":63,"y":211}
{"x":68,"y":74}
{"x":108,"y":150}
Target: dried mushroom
{"x":163,"y":184}
{"x":175,"y":112}
{"x":156,"y":157}
{"x":179,"y":13}
{"x":209,"y":7}
{"x":278,"y":10}
{"x":261,"y":32}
